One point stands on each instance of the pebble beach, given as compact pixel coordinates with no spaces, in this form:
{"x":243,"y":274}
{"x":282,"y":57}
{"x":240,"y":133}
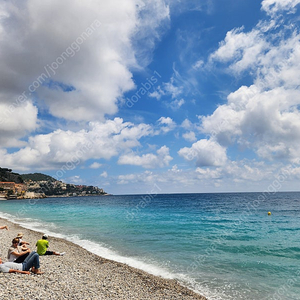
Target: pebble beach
{"x":80,"y":274}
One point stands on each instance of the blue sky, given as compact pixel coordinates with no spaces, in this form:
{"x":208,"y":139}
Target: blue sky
{"x":152,"y":96}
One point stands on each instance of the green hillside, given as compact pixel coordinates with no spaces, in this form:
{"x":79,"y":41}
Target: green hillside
{"x":37,"y":177}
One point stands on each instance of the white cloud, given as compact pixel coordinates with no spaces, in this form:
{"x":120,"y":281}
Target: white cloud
{"x":15,"y":122}
{"x":191,"y":129}
{"x":241,"y":48}
{"x":198,"y":64}
{"x":243,"y":175}
{"x":274,"y":6}
{"x":267,"y":122}
{"x":156,"y":94}
{"x":75,"y":179}
{"x":76,"y":68}
{"x":166,"y":120}
{"x":176,"y":104}
{"x":68,"y":149}
{"x":167,"y":124}
{"x":205,"y":153}
{"x":263,"y":117}
{"x":161,"y":159}
{"x":72,"y":61}
{"x":186,"y":124}
{"x":279,"y":66}
{"x":223,"y":124}
{"x":189,"y":136}
{"x":104,"y":174}
{"x":244,"y":171}
{"x":95,"y":165}
{"x":153,"y":20}
{"x":129,"y":178}
{"x":173,"y":89}
{"x":208,"y":174}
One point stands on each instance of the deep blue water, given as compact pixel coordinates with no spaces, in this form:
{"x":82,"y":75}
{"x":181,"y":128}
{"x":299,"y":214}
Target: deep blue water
{"x":225,"y":246}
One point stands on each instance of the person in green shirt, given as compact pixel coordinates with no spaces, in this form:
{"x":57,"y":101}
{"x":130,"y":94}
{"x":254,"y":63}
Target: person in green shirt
{"x":42,"y":246}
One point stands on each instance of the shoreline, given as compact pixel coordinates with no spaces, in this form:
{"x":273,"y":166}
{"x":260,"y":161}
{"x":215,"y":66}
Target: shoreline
{"x":80,"y":274}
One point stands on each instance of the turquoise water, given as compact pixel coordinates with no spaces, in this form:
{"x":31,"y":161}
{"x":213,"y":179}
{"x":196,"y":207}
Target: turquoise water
{"x":225,"y":246}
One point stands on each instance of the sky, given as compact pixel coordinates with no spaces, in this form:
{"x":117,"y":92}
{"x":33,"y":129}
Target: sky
{"x":148,"y":97}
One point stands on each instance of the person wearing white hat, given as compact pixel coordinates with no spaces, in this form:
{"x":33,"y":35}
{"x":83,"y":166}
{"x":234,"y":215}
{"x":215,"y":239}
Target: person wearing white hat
{"x":42,"y":246}
{"x":16,"y":253}
{"x":21,"y":242}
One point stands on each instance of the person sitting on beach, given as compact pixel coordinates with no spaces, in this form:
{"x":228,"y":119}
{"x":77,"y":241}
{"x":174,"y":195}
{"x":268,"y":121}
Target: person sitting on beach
{"x":21,"y":242}
{"x":32,"y":262}
{"x":17,"y":253}
{"x":42,"y":246}
{"x":4,"y":227}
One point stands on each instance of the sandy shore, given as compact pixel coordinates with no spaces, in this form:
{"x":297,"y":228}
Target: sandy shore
{"x":81,"y":275}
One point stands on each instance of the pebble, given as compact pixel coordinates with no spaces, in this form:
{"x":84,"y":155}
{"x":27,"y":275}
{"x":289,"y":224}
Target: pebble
{"x":81,"y":275}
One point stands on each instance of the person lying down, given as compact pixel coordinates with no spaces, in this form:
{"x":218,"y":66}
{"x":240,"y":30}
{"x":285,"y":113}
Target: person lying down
{"x":32,"y":261}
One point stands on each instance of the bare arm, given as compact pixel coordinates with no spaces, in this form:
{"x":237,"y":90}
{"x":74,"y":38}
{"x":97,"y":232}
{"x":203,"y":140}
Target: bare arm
{"x":24,"y":247}
{"x":17,"y":271}
{"x":24,"y":243}
{"x":21,"y":253}
{"x":4,"y":227}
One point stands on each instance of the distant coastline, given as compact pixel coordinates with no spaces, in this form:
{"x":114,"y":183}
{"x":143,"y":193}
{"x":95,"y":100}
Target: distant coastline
{"x":68,"y":196}
{"x":37,"y":185}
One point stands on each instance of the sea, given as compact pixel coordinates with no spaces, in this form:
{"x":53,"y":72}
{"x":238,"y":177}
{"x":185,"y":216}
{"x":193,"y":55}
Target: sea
{"x":221,"y":245}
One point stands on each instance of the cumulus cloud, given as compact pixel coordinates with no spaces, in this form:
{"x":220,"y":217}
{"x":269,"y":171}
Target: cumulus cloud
{"x":124,"y":179}
{"x":95,"y":165}
{"x":74,"y":59}
{"x":208,"y":174}
{"x":186,"y":124}
{"x":205,"y":153}
{"x":243,"y":175}
{"x":264,"y":116}
{"x":104,"y":174}
{"x":244,"y":171}
{"x":267,"y":122}
{"x":68,"y":149}
{"x":161,"y":159}
{"x":189,"y":136}
{"x":73,"y":62}
{"x":167,"y":124}
{"x":15,"y":122}
{"x":241,"y":48}
{"x":222,"y":124}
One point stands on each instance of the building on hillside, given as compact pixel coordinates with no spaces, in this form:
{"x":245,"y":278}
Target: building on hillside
{"x":15,"y":188}
{"x":21,"y":188}
{"x":6,"y":186}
